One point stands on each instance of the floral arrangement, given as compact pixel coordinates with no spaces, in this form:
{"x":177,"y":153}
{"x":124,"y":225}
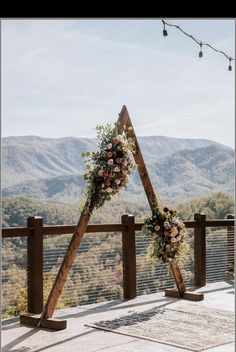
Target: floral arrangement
{"x":109,"y":168}
{"x":167,"y":234}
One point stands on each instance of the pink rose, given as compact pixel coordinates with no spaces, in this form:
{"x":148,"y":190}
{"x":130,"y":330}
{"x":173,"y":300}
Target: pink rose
{"x":166,"y":224}
{"x":174,"y":231}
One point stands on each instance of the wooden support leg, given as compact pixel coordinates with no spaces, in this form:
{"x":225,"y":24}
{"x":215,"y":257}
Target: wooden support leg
{"x":60,"y":280}
{"x":181,"y":289}
{"x":66,"y":265}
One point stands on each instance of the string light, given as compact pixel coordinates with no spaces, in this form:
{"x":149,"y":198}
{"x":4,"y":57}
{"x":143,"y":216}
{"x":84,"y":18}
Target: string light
{"x":199,"y":42}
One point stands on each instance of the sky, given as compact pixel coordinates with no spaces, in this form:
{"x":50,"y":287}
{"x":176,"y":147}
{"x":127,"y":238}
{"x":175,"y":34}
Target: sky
{"x":62,"y":77}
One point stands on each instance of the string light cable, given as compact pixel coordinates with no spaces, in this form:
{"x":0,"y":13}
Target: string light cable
{"x":199,"y":42}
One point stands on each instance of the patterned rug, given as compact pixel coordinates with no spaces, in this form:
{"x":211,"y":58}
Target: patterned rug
{"x":193,"y":327}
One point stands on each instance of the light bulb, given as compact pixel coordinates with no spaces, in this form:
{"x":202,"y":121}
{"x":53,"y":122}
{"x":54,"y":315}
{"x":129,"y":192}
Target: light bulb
{"x":200,"y":54}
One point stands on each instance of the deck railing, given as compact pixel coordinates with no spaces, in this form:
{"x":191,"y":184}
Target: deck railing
{"x":36,"y":231}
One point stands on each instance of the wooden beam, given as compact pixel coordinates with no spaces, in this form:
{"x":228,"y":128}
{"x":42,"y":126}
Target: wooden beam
{"x":147,"y":185}
{"x":67,"y":263}
{"x":34,"y":319}
{"x":143,"y":173}
{"x":178,"y":279}
{"x":191,"y":296}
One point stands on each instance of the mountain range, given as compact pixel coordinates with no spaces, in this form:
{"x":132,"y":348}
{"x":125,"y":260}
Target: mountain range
{"x":52,"y":169}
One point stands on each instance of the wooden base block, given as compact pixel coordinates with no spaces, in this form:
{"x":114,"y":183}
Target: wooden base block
{"x":50,"y":323}
{"x":191,"y":296}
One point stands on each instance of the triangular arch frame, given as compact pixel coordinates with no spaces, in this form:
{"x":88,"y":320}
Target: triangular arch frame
{"x":124,"y":124}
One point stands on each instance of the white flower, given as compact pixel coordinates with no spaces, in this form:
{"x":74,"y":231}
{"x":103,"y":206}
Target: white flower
{"x":100,"y":172}
{"x":109,"y":146}
{"x":117,"y":182}
{"x":103,"y":185}
{"x":119,"y":160}
{"x":120,"y":138}
{"x":116,"y":169}
{"x":173,"y":240}
{"x":110,"y":162}
{"x":109,"y":190}
{"x":125,"y":163}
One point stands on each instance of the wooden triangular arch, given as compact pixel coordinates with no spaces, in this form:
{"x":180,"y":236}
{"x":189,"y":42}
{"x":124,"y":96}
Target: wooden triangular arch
{"x":123,"y":120}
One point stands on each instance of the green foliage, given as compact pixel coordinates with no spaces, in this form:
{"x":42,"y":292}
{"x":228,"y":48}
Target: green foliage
{"x":215,"y":206}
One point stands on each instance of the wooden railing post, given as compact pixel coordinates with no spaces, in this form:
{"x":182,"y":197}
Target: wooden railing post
{"x":35,"y":264}
{"x":200,"y":250}
{"x":230,"y":244}
{"x":129,"y":257}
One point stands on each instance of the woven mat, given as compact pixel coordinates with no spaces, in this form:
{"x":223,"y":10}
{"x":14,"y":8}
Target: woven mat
{"x":194,"y":327}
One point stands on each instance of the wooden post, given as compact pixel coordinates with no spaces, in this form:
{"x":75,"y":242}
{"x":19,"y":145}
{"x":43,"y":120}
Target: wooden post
{"x":35,"y":264}
{"x":230,"y":245}
{"x":129,"y":257}
{"x":200,"y":250}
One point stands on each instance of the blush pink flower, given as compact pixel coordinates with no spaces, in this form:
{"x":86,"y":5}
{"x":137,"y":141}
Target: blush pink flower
{"x":157,"y":228}
{"x":174,"y":231}
{"x":115,"y":140}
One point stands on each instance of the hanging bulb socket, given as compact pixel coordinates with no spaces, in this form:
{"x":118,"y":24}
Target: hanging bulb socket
{"x":230,"y":67}
{"x":200,"y":52}
{"x":165,"y":34}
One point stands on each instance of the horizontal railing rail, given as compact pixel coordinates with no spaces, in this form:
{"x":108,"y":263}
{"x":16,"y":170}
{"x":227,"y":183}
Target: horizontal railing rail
{"x":65,"y":229}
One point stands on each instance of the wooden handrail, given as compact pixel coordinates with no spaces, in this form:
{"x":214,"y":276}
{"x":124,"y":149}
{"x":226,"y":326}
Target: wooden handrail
{"x":15,"y":232}
{"x":67,"y":229}
{"x":58,"y":230}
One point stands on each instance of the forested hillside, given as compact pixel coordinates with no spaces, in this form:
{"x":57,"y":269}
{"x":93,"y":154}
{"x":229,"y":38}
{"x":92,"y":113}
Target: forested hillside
{"x":15,"y":210}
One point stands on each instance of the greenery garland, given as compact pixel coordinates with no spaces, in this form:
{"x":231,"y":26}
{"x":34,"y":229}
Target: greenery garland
{"x":167,"y":233}
{"x":108,"y":169}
